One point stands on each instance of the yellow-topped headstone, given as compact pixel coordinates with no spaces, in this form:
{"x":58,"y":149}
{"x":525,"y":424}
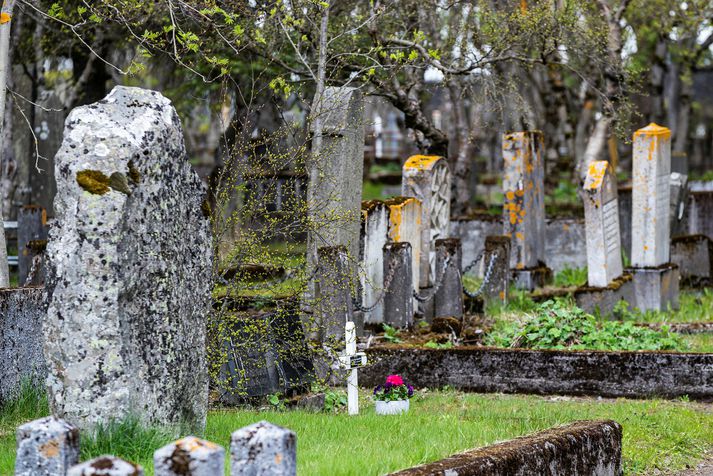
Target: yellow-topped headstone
{"x":421,"y":162}
{"x":653,"y":129}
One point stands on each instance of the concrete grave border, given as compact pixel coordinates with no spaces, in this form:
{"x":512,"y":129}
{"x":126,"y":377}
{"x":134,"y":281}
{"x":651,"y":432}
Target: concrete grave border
{"x":582,"y":447}
{"x":586,"y":372}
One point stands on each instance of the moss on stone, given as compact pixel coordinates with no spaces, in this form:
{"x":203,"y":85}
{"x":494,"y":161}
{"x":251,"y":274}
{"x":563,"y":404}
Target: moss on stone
{"x":93,"y":181}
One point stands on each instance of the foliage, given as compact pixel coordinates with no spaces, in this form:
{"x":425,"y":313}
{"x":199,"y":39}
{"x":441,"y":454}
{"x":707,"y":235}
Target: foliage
{"x":391,"y":334}
{"x":694,"y":306}
{"x":571,"y":277}
{"x":334,"y":401}
{"x":393,"y":389}
{"x":437,"y":345}
{"x":557,"y":325}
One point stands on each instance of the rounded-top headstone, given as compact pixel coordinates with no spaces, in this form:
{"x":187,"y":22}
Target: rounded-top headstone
{"x":129,"y":262}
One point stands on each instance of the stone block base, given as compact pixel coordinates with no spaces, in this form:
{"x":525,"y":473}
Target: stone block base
{"x":656,"y":288}
{"x":591,"y":298}
{"x":694,"y":256}
{"x":531,"y":278}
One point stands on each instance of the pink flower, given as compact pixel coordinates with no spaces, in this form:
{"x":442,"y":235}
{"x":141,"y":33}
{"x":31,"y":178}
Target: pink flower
{"x":394,"y":380}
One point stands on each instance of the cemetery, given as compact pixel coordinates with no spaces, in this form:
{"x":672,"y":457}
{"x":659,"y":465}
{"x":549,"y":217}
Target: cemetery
{"x":356,"y":238}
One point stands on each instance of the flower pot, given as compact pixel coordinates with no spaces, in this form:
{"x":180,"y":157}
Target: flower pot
{"x":394,"y":407}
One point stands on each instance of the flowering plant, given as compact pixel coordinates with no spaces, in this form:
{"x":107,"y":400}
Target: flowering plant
{"x":394,"y":389}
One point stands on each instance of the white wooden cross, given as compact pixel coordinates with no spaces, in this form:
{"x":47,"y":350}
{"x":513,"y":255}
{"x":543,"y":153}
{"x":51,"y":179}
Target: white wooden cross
{"x":352,"y":360}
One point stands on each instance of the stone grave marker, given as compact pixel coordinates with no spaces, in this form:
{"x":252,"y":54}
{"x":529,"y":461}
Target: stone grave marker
{"x":428,"y":178}
{"x":374,"y":235}
{"x":524,"y":206}
{"x":47,"y":446}
{"x":129,"y":265}
{"x":601,"y":214}
{"x":405,"y":219}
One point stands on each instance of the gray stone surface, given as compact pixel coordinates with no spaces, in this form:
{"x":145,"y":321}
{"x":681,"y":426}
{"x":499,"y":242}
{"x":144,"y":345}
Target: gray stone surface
{"x":398,"y":300}
{"x":609,"y":374}
{"x":46,"y":447}
{"x":565,"y":245}
{"x":679,"y":200}
{"x":263,"y":449}
{"x":624,"y":194}
{"x":693,"y":254}
{"x":601,"y":215}
{"x":405,"y":215}
{"x":374,"y":234}
{"x":656,"y":289}
{"x":31,"y":227}
{"x":591,"y":448}
{"x":428,"y":178}
{"x":189,"y":456}
{"x":49,"y":116}
{"x":332,"y":302}
{"x":524,"y":197}
{"x":530,"y":279}
{"x":22,"y":312}
{"x":335,"y":176}
{"x":448,"y":301}
{"x":129,"y":264}
{"x":497,"y":257}
{"x":700,"y":214}
{"x":651,"y":196}
{"x":106,"y":465}
{"x":604,"y":299}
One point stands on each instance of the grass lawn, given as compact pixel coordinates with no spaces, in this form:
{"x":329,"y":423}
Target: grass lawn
{"x":658,"y":435}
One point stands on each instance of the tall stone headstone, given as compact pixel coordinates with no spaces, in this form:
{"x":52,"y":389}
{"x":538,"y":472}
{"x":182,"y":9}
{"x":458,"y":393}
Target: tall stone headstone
{"x":129,"y":263}
{"x":335,"y":176}
{"x":405,"y":218}
{"x":428,"y":178}
{"x":496,"y":269}
{"x":333,"y":287}
{"x":448,"y":301}
{"x":655,"y":278}
{"x":31,"y":227}
{"x":524,"y":205}
{"x":398,"y":297}
{"x":601,"y":215}
{"x":651,"y":197}
{"x":374,"y":235}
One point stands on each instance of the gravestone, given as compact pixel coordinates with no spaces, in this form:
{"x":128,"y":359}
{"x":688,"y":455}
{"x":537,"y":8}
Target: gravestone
{"x":335,"y":177}
{"x":31,"y":227}
{"x":655,"y":278}
{"x":428,"y":178}
{"x":374,"y":235}
{"x":601,"y":214}
{"x":405,"y":218}
{"x":47,"y":446}
{"x":263,"y":449}
{"x":693,"y":254}
{"x":129,"y":264}
{"x":398,"y":297}
{"x":333,"y":302}
{"x":448,"y":301}
{"x":190,"y":456}
{"x":496,"y":269}
{"x":524,"y":207}
{"x":106,"y":465}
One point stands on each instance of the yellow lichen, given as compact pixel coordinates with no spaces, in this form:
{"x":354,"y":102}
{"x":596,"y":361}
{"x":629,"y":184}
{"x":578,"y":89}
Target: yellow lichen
{"x":93,"y":181}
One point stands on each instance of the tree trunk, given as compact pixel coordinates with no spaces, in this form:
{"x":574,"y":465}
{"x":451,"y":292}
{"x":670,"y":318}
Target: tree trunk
{"x":461,"y":164}
{"x":5,"y":26}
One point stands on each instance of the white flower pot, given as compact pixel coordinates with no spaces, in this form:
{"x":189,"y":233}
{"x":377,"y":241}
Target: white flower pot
{"x":394,"y":407}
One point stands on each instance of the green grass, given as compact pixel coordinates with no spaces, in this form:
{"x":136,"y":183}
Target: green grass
{"x":373,"y":191}
{"x":699,"y":342}
{"x":694,"y":306}
{"x":658,"y":435}
{"x":571,"y":277}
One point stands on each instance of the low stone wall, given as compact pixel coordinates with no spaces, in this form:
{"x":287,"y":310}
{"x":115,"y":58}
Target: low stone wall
{"x":22,"y":311}
{"x":609,"y":374}
{"x":581,"y":448}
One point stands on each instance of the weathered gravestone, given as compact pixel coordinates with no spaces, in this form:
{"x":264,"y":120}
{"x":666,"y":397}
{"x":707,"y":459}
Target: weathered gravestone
{"x":605,"y":284}
{"x":333,"y":305}
{"x":428,"y":178}
{"x":106,"y":465}
{"x":405,"y":219}
{"x":448,"y":300}
{"x":263,"y":449}
{"x":374,"y":235}
{"x":524,"y":207}
{"x":129,"y":265}
{"x":31,"y":235}
{"x":190,"y":456}
{"x":398,"y":291}
{"x":655,"y":278}
{"x":496,"y":269}
{"x":601,"y":214}
{"x":47,"y":446}
{"x":335,"y":178}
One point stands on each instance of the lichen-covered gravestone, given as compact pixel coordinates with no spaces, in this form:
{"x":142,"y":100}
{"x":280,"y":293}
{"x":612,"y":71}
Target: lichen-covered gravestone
{"x":129,"y":268}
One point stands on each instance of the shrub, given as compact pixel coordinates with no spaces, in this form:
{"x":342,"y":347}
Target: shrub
{"x":557,"y":325}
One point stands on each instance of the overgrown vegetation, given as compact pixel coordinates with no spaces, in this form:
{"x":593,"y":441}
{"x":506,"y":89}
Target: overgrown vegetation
{"x":571,"y":277}
{"x":559,"y":325}
{"x":694,"y":306}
